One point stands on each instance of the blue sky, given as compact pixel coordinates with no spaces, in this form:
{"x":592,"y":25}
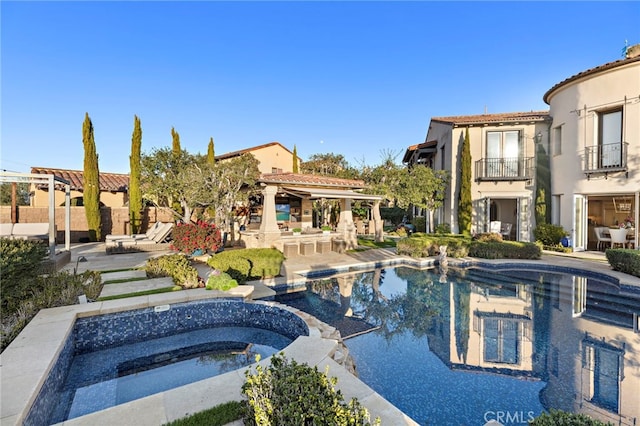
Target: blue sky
{"x":352,"y":78}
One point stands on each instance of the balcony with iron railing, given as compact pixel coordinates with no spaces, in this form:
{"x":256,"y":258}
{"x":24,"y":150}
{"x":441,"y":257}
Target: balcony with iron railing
{"x":505,"y":169}
{"x":607,"y":158}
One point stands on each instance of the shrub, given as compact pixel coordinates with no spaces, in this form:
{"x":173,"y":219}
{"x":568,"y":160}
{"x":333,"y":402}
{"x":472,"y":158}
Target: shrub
{"x":53,"y":290}
{"x":176,"y":266}
{"x":20,"y":264}
{"x":443,"y":228}
{"x":505,"y":250}
{"x":189,"y":237}
{"x":559,"y":417}
{"x":425,"y":245}
{"x":290,"y":393}
{"x":220,"y":281}
{"x":248,"y":263}
{"x":624,"y":260}
{"x":549,"y":235}
{"x":232,"y":263}
{"x":420,"y":223}
{"x":265,"y":262}
{"x":488,"y":236}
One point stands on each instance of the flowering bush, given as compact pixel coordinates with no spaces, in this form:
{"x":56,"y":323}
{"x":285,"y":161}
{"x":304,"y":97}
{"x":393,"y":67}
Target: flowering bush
{"x":189,"y":237}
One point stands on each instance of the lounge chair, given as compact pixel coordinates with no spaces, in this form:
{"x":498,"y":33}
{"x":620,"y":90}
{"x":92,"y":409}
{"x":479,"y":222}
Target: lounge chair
{"x":159,"y":241}
{"x":151,"y":232}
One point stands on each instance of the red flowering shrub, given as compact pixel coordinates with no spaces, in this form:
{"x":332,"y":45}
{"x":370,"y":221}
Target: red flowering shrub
{"x":189,"y":237}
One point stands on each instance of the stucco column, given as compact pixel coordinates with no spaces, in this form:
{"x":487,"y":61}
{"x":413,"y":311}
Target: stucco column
{"x":377,"y":220}
{"x":345,"y":226}
{"x":269,"y":222}
{"x":345,"y":285}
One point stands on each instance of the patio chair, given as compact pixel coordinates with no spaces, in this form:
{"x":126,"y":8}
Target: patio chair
{"x":631,"y":240}
{"x":505,"y":231}
{"x":602,"y":239}
{"x":618,"y":236}
{"x":494,"y":226}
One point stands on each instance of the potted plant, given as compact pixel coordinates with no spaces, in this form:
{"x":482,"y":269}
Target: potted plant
{"x":297,"y":231}
{"x":326,"y":229}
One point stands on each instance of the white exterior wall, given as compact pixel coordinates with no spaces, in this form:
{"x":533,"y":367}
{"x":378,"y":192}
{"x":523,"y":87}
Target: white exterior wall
{"x":598,"y":92}
{"x":442,"y":133}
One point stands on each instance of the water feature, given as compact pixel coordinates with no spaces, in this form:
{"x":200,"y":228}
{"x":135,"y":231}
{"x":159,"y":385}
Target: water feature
{"x":471,"y":346}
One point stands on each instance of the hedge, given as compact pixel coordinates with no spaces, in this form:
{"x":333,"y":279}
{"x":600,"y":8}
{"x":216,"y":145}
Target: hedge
{"x":243,"y":264}
{"x":624,"y":260}
{"x":425,"y":245}
{"x":505,"y":250}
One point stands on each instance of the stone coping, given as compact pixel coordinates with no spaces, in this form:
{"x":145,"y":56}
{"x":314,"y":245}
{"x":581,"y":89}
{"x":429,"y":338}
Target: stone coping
{"x":26,"y":362}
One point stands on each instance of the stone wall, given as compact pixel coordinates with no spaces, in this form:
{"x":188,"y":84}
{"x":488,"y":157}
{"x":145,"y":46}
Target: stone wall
{"x":115,"y":220}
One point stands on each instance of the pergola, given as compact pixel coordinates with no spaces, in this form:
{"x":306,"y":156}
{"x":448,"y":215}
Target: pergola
{"x":50,"y":181}
{"x":309,"y":188}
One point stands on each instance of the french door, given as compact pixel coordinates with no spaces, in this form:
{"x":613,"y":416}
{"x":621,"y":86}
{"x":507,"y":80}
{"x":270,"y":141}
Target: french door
{"x":579,"y":234}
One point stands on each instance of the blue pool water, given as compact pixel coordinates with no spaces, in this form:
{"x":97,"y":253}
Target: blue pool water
{"x":103,"y":379}
{"x":115,"y":358}
{"x":470,"y":346}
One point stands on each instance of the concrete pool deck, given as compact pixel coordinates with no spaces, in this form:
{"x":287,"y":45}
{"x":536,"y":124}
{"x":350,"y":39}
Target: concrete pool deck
{"x":25,"y":364}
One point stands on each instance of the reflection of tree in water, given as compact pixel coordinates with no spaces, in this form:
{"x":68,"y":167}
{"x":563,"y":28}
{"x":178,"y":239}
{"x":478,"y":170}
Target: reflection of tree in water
{"x":326,"y":289}
{"x":231,"y":359}
{"x":461,"y":300}
{"x":412,"y":310}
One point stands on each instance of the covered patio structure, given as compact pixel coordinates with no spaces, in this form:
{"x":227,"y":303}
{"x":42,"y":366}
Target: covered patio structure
{"x":50,"y":181}
{"x":286,"y":203}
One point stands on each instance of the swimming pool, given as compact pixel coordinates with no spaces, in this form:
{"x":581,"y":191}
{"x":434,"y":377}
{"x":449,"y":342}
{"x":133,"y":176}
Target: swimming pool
{"x":473,"y":345}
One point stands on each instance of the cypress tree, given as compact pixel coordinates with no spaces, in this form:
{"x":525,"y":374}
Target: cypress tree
{"x":211,"y":155}
{"x":464,"y":196}
{"x":175,"y":142}
{"x":295,"y":160}
{"x":91,"y":184}
{"x":135,"y":194}
{"x":543,"y":186}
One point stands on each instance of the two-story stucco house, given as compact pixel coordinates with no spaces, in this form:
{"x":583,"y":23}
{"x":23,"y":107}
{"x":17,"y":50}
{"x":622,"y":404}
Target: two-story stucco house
{"x":503,"y":150}
{"x":595,"y":154}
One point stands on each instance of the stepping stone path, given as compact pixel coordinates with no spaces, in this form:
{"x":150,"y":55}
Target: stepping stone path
{"x":123,"y":275}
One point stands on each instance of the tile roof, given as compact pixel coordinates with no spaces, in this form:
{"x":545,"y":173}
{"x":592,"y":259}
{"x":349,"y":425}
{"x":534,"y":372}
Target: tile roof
{"x":509,"y":117}
{"x":590,"y":71}
{"x":315,"y":180}
{"x":253,"y":148}
{"x":111,"y":182}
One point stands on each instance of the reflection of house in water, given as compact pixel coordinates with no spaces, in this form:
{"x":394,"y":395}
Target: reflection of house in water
{"x":490,"y":326}
{"x":578,"y":334}
{"x":593,"y":361}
